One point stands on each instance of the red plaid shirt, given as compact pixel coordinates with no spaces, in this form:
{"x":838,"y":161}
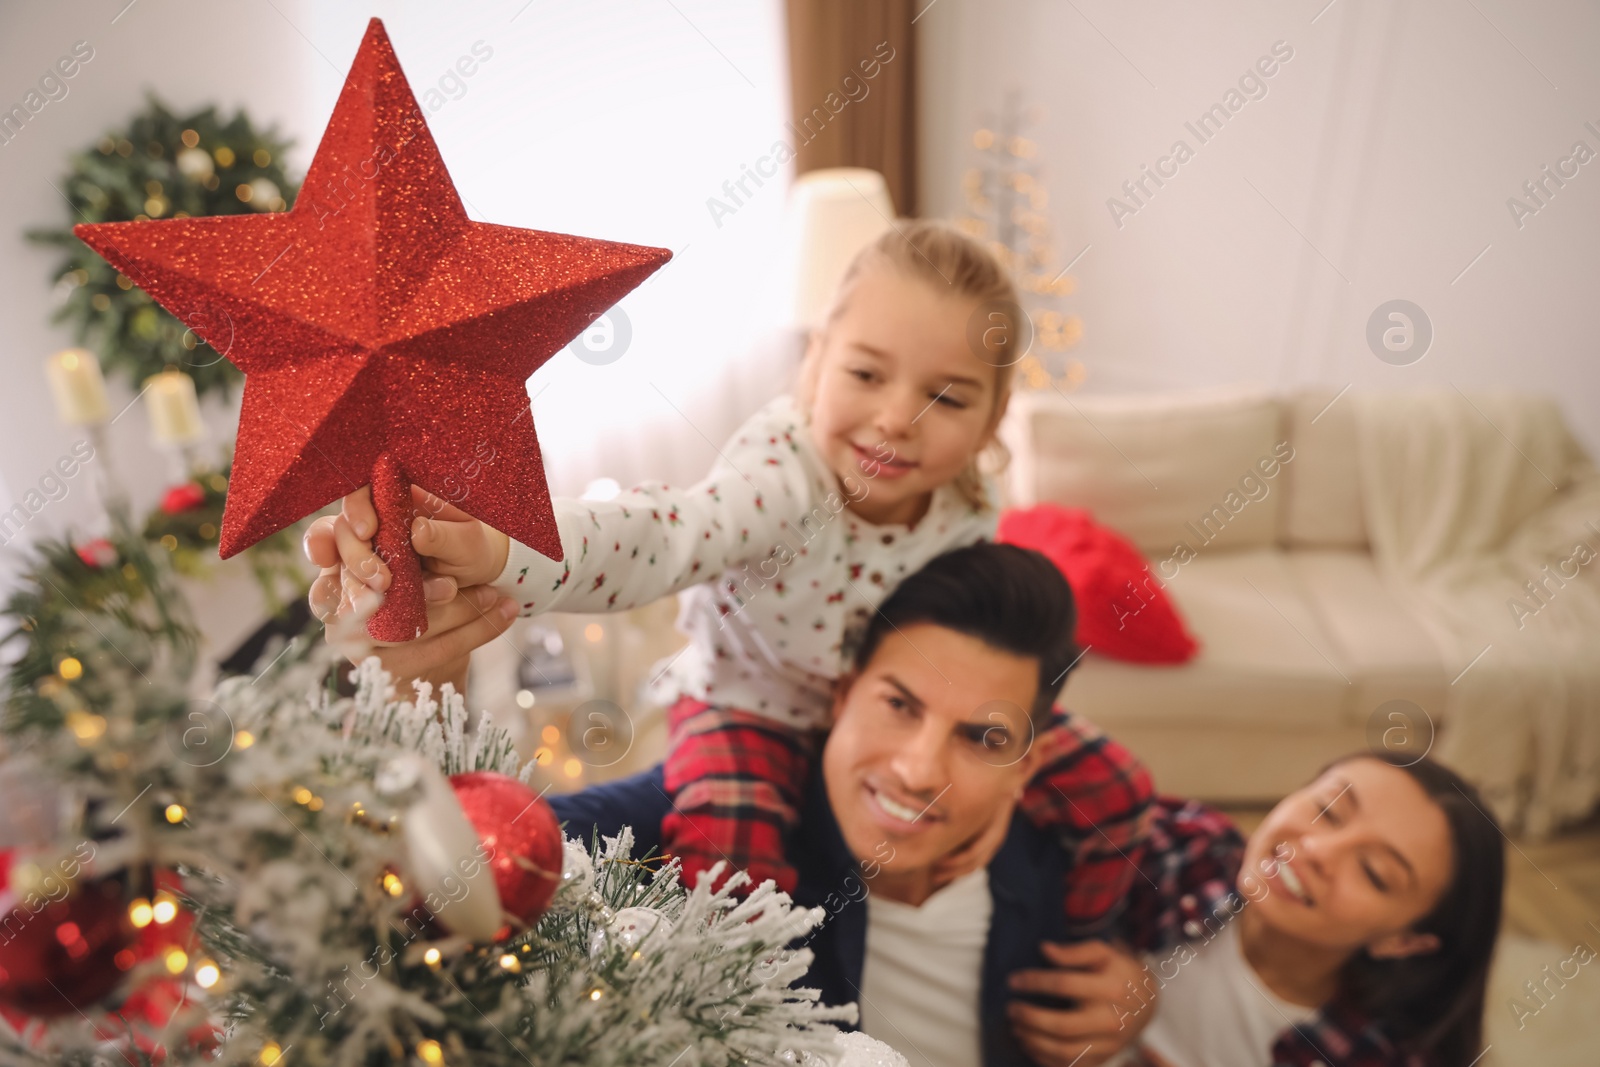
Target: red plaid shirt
{"x":1192,"y":857}
{"x":735,"y":780}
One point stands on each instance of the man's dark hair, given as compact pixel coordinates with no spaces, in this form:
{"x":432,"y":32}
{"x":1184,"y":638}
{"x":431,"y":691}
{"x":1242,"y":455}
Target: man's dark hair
{"x":1010,"y":598}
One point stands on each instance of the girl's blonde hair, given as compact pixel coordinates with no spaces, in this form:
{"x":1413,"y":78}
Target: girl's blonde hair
{"x":937,"y":253}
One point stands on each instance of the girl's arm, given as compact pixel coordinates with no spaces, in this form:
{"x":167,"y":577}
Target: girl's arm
{"x":655,"y":539}
{"x":651,"y":541}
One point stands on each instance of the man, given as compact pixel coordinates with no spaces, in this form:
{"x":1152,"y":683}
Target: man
{"x":944,"y":917}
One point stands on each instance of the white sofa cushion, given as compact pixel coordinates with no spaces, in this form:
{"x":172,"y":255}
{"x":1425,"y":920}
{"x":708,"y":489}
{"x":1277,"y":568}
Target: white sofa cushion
{"x":1160,"y":469}
{"x":1377,"y":640}
{"x":1265,"y":659}
{"x":1322,"y":492}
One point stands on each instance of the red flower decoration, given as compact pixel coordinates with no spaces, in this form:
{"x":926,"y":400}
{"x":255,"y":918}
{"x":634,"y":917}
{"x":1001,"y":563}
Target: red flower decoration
{"x":97,"y":553}
{"x":181,"y":498}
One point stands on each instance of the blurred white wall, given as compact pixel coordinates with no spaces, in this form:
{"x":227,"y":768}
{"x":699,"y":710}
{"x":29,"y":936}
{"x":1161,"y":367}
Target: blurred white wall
{"x":190,"y":53}
{"x":1376,"y":166}
{"x":615,"y":120}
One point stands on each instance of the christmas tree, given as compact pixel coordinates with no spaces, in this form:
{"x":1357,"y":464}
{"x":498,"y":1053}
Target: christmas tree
{"x":277,"y":824}
{"x":1006,"y":208}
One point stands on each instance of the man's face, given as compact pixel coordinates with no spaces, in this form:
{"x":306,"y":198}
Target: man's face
{"x":930,"y":743}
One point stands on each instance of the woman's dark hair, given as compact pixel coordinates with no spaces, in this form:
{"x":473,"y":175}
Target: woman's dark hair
{"x":1010,"y":598}
{"x":1432,"y":1003}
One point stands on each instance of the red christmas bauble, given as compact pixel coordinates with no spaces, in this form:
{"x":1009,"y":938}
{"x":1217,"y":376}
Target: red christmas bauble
{"x":97,"y":553}
{"x":59,"y":957}
{"x":181,"y":498}
{"x":520,"y":835}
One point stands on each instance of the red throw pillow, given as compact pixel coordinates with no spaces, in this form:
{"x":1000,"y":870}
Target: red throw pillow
{"x":1123,"y":611}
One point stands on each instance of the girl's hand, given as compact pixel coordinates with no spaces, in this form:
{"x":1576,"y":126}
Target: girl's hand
{"x":450,"y":542}
{"x":350,"y":588}
{"x":458,"y":622}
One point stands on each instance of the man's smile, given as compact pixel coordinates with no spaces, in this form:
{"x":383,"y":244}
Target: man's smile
{"x":904,"y":816}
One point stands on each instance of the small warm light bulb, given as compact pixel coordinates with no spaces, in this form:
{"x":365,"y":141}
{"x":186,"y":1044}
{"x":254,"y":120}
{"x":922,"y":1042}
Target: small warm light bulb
{"x":392,"y":884}
{"x":314,"y":804}
{"x":573,"y":768}
{"x":207,"y":974}
{"x":270,"y":1054}
{"x":550,"y":734}
{"x":86,"y":726}
{"x":301,"y":795}
{"x":430,"y":1051}
{"x":71,"y":669}
{"x":165,"y":910}
{"x":594,"y":632}
{"x":140,"y":913}
{"x":177,"y":960}
{"x":244,"y":739}
{"x":175,"y":813}
{"x":510,"y":963}
{"x":431,"y":958}
{"x":526,"y":698}
{"x":595,"y":994}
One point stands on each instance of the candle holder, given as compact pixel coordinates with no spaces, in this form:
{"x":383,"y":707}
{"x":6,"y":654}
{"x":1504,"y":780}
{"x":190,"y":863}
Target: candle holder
{"x":80,"y":396}
{"x":175,"y":418}
{"x":108,"y":491}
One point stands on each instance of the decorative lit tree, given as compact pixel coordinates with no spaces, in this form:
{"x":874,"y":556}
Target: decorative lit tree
{"x":1007,"y":208}
{"x":161,"y":165}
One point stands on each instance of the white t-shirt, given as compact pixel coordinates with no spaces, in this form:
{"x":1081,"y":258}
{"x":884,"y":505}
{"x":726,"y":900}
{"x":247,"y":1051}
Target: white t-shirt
{"x":924,"y":969}
{"x":1215,"y":1012}
{"x":777,"y":572}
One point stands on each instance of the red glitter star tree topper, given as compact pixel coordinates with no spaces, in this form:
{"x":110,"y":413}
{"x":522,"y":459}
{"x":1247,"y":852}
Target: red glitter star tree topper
{"x":384,"y":336}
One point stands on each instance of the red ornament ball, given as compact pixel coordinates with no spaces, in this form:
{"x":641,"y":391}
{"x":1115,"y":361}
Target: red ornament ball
{"x":521,"y":836}
{"x":181,"y":498}
{"x":59,"y":957}
{"x":97,"y":553}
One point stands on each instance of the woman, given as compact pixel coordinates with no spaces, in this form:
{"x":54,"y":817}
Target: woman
{"x":1353,"y":929}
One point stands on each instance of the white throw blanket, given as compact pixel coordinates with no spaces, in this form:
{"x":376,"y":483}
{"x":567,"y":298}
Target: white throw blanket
{"x":1469,"y":498}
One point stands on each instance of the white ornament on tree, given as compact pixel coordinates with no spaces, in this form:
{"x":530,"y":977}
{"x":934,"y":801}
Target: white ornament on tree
{"x":577,"y":872}
{"x":627,"y":927}
{"x":632,"y":925}
{"x":855,"y":1049}
{"x":446,"y":868}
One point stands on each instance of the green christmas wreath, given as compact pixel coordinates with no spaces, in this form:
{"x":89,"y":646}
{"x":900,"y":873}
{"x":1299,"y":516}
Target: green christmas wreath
{"x":162,"y":166}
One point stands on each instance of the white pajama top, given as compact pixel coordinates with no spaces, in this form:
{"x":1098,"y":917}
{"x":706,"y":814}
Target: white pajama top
{"x":778,"y":576}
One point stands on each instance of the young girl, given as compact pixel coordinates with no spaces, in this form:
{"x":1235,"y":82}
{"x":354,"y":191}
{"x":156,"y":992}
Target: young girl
{"x":817,"y":507}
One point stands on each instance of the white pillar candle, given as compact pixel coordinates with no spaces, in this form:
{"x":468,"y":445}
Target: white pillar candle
{"x":174,"y":409}
{"x":78,"y":388}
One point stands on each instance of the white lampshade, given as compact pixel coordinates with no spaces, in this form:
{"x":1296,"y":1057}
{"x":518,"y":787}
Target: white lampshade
{"x":832,"y":215}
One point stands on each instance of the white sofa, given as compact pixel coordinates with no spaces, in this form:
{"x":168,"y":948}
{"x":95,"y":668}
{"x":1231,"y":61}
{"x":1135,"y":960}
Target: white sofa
{"x":1306,"y":651}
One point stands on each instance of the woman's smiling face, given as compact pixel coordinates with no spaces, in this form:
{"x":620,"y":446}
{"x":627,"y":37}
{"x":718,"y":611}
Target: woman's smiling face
{"x":1351,"y":860}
